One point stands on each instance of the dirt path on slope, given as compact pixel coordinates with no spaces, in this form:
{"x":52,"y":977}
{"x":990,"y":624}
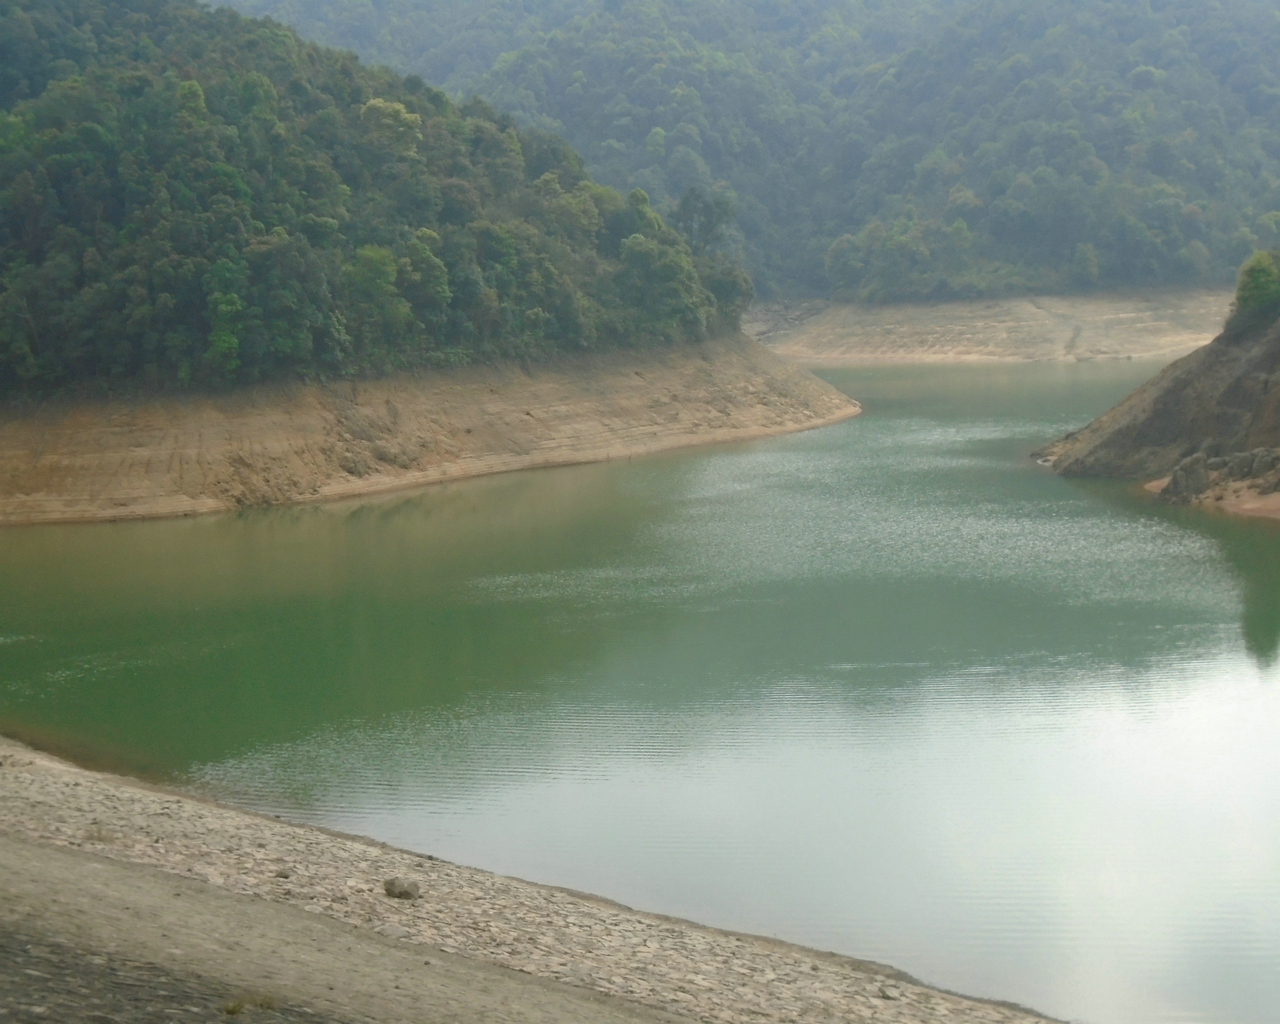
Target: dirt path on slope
{"x":282,"y":445}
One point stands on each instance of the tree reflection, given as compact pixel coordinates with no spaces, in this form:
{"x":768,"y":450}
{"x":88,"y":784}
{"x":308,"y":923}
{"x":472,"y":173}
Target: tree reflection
{"x":1251,"y":546}
{"x":1253,"y":549}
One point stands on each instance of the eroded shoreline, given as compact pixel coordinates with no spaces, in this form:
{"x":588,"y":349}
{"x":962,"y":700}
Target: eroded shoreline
{"x":667,"y":965}
{"x":1056,"y":328}
{"x":306,"y":443}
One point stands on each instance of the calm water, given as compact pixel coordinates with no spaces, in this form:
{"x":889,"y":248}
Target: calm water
{"x":886,"y":688}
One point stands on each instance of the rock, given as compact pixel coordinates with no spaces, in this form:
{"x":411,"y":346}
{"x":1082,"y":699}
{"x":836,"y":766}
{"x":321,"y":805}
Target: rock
{"x":392,"y":931}
{"x":401,"y":888}
{"x":284,"y":873}
{"x":1190,"y":478}
{"x":1216,"y":464}
{"x":1264,"y":461}
{"x":1240,"y":466}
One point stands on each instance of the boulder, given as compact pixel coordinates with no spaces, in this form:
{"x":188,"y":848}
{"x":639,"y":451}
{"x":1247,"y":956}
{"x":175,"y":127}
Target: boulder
{"x":1264,"y":461}
{"x":1240,"y":466}
{"x":1189,"y":478}
{"x":401,"y":888}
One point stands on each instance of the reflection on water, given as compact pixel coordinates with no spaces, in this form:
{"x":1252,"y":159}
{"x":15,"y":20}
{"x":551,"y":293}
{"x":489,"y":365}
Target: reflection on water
{"x":1251,"y":547}
{"x":1254,"y":553}
{"x":887,"y":688}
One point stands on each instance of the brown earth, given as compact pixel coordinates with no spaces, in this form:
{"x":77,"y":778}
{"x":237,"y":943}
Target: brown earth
{"x":1242,"y":500}
{"x":1142,"y":325}
{"x":1224,"y":397}
{"x":1237,"y":498}
{"x":143,"y":943}
{"x":297,"y":443}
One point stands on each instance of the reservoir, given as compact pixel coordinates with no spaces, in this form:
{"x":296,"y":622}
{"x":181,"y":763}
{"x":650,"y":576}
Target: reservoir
{"x":887,"y":688}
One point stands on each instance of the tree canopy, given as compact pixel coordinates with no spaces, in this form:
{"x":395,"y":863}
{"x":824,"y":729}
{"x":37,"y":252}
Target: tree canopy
{"x":1257,"y":301}
{"x":892,"y":150}
{"x":192,"y":196}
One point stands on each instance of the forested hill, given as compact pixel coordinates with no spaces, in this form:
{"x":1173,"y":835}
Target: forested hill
{"x":190,"y":196}
{"x":893,"y":150}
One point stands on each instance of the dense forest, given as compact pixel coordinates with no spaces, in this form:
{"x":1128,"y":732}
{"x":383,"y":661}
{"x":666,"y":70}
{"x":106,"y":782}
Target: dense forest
{"x":191,"y":196}
{"x":891,"y":150}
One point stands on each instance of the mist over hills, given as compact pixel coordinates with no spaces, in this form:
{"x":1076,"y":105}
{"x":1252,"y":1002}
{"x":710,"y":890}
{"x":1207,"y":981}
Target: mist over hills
{"x":884,"y":151}
{"x":189,"y":196}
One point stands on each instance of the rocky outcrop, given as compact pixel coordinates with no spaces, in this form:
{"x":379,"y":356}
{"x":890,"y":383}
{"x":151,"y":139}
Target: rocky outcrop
{"x":1221,"y":402}
{"x":1198,"y":475}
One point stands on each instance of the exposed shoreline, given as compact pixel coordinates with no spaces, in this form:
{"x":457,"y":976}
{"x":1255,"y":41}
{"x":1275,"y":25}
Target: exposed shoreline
{"x":1233,"y":499}
{"x":1146,"y":325}
{"x":635,"y":961}
{"x":293,"y":444}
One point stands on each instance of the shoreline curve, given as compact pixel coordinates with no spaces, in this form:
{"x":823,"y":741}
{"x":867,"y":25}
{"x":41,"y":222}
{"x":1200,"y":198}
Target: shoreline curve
{"x":238,"y":872}
{"x":300,"y":443}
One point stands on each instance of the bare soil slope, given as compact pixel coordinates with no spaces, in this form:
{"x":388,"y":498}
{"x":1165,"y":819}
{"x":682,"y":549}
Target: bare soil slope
{"x":1223,"y":398}
{"x":166,"y":935}
{"x":279,"y":445}
{"x":1151,"y":324}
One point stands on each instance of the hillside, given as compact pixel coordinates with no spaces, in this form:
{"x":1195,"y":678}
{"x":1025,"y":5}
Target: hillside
{"x":190,"y":197}
{"x":1208,"y":425}
{"x":887,"y":152}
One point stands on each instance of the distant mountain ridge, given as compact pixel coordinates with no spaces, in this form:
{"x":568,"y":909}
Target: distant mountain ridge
{"x":892,"y":152}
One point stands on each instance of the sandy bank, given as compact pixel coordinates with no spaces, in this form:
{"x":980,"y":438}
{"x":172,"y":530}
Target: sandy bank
{"x":300,"y":913}
{"x":1238,"y":498}
{"x":1241,"y":500}
{"x":281,"y":445}
{"x":1142,"y":325}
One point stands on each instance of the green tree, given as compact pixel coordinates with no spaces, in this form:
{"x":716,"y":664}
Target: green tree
{"x":190,"y":197}
{"x":1148,"y":134}
{"x":1257,"y":290}
{"x":703,"y":216}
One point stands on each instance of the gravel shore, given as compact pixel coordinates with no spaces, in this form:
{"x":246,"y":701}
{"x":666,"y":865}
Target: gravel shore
{"x":576,"y":941}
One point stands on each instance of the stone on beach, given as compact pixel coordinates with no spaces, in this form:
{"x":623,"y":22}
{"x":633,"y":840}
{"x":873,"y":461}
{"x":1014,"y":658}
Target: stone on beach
{"x":673,"y":966}
{"x":401,"y":888}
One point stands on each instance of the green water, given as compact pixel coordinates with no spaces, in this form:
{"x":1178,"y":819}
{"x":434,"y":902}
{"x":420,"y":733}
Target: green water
{"x":887,"y":688}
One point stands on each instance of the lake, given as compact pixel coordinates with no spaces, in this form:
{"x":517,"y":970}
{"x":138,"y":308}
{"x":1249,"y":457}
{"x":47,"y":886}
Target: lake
{"x":887,"y":688}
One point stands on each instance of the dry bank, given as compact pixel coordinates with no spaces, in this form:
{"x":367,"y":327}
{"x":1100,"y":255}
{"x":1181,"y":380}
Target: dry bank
{"x":105,"y":868}
{"x":297,"y":443}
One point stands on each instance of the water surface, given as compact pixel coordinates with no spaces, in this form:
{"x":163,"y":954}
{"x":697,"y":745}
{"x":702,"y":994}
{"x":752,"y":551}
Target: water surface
{"x":887,"y":688}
